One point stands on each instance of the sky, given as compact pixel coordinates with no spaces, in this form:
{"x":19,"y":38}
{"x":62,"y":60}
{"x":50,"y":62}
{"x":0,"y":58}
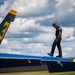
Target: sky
{"x":32,"y":33}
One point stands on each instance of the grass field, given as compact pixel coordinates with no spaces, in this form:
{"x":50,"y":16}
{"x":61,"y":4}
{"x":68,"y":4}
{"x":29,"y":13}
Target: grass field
{"x":39,"y":73}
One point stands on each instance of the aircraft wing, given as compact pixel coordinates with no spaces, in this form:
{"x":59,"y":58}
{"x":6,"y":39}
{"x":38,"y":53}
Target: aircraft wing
{"x":41,"y":58}
{"x":53,"y":64}
{"x":6,"y":22}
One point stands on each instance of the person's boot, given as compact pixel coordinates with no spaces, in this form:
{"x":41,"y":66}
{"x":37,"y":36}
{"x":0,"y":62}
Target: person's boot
{"x":49,"y":54}
{"x":59,"y":56}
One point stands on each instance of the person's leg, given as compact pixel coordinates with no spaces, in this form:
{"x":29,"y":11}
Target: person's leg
{"x":53,"y":48}
{"x":59,"y":48}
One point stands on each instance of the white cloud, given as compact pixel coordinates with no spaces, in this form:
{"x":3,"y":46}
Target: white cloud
{"x":67,"y":32}
{"x":27,"y":7}
{"x":71,"y":38}
{"x":43,"y":38}
{"x":26,"y":39}
{"x":4,"y":42}
{"x":65,"y":12}
{"x":21,"y":24}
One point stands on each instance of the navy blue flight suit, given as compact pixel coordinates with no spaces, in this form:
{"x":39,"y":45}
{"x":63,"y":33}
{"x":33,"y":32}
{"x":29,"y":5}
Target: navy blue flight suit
{"x":57,"y":43}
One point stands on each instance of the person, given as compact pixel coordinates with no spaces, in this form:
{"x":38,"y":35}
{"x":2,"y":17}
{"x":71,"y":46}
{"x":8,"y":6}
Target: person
{"x":57,"y":41}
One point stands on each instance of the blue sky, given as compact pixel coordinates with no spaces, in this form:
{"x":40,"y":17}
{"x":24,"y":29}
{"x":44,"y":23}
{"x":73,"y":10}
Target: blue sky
{"x":32,"y":33}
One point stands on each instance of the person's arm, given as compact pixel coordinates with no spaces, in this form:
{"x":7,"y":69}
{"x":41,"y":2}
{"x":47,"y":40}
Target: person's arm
{"x":59,"y":35}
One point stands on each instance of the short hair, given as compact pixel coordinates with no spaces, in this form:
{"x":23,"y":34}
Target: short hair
{"x":55,"y":23}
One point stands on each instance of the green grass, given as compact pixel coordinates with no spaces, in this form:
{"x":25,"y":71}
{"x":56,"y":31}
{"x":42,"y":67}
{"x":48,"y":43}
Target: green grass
{"x":39,"y":73}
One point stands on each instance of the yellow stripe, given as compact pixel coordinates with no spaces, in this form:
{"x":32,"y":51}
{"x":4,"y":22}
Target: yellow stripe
{"x":13,"y":12}
{"x":73,"y":60}
{"x":4,"y":30}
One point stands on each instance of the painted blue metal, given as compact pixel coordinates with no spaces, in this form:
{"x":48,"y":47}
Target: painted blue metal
{"x":18,"y":56}
{"x":46,"y":58}
{"x":42,"y":58}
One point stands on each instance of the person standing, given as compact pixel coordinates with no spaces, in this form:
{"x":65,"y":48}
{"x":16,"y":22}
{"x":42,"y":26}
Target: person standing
{"x":57,"y":41}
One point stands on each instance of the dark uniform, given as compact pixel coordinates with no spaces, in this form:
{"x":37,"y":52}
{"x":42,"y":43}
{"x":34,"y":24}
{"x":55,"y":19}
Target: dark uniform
{"x":57,"y":43}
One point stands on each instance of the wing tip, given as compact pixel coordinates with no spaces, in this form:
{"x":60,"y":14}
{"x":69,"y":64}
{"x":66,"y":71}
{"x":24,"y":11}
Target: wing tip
{"x":74,"y":60}
{"x":13,"y":12}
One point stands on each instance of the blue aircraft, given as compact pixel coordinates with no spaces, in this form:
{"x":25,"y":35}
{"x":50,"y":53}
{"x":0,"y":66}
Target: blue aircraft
{"x":54,"y":64}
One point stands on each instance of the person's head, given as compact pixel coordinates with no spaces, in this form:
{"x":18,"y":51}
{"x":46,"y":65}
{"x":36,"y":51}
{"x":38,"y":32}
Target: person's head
{"x":55,"y":25}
